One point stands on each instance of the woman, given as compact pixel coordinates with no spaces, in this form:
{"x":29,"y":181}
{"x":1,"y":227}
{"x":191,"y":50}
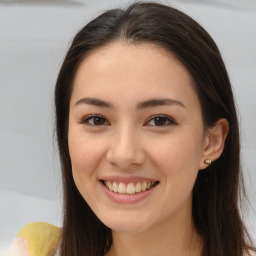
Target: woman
{"x":148,"y":139}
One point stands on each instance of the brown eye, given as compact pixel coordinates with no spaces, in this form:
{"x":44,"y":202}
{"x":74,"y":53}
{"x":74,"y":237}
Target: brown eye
{"x":98,"y":120}
{"x":160,"y":120}
{"x":95,"y":120}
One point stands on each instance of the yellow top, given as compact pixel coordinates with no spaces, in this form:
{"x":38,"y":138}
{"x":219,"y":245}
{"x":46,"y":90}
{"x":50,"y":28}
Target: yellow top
{"x":42,"y":238}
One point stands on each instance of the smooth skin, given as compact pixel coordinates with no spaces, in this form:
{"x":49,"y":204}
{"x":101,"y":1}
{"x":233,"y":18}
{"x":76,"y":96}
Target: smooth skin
{"x":134,"y":112}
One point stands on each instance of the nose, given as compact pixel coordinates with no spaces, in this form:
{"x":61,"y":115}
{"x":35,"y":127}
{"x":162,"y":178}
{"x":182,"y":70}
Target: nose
{"x":125,"y":149}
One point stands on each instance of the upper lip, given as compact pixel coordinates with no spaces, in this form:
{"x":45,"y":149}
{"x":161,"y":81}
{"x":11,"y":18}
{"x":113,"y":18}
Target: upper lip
{"x":127,"y":180}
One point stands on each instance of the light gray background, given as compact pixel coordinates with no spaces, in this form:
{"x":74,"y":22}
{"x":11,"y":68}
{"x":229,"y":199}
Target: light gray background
{"x":33,"y":40}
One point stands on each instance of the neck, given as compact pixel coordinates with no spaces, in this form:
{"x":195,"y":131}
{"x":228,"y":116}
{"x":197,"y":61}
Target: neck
{"x":173,"y":237}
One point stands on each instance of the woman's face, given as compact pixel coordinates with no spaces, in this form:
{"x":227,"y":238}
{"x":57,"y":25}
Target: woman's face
{"x":136,"y":136}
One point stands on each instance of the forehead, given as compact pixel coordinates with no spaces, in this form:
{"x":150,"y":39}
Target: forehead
{"x":127,"y":72}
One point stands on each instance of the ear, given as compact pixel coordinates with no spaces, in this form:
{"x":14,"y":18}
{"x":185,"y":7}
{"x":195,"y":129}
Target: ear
{"x":214,"y":142}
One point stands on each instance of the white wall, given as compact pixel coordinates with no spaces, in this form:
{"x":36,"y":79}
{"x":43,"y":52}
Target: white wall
{"x":33,"y":41}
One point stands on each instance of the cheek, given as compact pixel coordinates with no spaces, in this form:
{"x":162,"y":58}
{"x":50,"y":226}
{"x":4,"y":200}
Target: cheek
{"x":85,"y":157}
{"x":85,"y":154}
{"x":178,"y":152}
{"x":177,"y":158}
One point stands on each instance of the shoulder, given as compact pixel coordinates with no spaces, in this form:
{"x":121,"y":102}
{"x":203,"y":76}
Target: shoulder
{"x":36,"y":238}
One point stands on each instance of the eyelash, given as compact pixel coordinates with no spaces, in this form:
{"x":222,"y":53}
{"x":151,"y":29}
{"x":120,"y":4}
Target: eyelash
{"x":164,"y":118}
{"x":93,"y":117}
{"x":161,"y":118}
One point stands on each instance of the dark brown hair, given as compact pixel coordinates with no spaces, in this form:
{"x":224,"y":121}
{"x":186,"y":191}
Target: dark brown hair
{"x":216,"y":191}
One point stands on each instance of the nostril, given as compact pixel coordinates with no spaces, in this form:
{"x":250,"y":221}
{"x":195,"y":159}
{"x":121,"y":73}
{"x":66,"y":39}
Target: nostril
{"x":124,"y":157}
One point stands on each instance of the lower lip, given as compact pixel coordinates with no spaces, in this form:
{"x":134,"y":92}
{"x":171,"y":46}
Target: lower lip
{"x":127,"y":199}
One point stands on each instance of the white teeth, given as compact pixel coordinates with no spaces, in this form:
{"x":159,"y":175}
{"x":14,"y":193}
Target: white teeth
{"x":107,"y":183}
{"x":138,"y":187}
{"x":121,"y":188}
{"x":130,"y":188}
{"x":144,"y":186}
{"x":110,"y":186}
{"x":115,"y":187}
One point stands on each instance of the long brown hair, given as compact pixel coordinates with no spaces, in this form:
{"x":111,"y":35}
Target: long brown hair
{"x":216,"y":191}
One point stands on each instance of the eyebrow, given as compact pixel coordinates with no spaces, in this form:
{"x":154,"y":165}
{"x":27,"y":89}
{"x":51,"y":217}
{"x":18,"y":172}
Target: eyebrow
{"x":159,"y":102}
{"x":142,"y":105}
{"x":94,"y":102}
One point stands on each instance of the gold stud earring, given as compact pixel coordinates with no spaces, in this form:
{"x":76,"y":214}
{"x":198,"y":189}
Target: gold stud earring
{"x":207,"y":161}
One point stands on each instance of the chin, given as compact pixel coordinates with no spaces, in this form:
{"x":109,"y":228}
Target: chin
{"x":127,"y":224}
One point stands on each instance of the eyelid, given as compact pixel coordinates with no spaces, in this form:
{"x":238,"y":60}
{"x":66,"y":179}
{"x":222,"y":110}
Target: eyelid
{"x":168,"y":118}
{"x":85,"y":120}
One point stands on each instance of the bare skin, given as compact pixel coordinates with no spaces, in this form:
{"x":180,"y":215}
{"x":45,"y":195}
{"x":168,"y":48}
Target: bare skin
{"x":135,"y":115}
{"x":177,"y":241}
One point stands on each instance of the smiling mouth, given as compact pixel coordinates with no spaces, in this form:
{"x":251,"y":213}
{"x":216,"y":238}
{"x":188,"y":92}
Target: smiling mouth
{"x":130,"y":188}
